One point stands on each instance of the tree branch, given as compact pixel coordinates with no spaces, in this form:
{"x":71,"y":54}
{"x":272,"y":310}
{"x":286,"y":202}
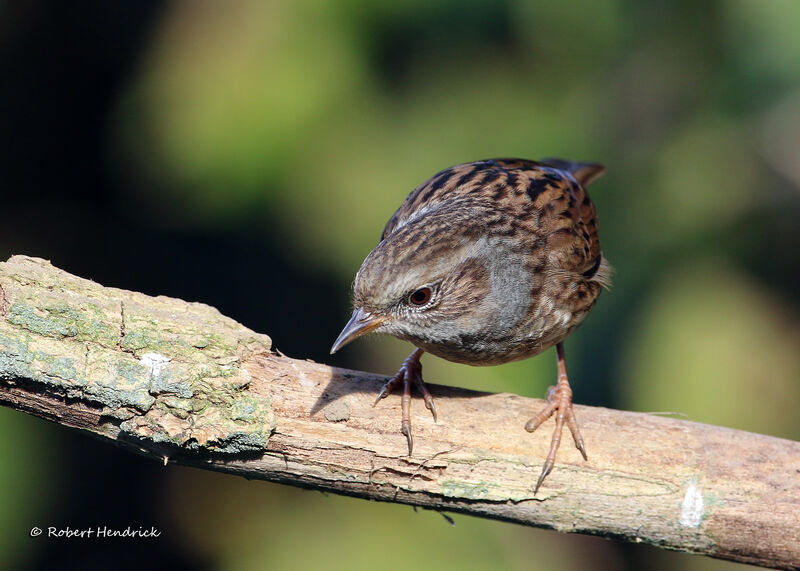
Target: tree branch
{"x":178,"y":381}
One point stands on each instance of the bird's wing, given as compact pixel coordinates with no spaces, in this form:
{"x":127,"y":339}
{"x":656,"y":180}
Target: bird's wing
{"x":495,"y":180}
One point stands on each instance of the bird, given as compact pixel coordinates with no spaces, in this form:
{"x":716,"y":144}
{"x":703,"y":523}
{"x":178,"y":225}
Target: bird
{"x":485,"y":263}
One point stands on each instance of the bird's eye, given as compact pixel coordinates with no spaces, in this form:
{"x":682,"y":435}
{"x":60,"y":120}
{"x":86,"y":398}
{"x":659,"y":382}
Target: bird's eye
{"x":421,"y":296}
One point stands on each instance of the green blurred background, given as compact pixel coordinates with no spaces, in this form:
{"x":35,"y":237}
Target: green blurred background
{"x":247,"y":154}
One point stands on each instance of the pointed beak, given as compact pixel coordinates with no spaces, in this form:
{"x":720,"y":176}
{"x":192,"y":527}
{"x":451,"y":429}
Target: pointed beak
{"x":361,"y":323}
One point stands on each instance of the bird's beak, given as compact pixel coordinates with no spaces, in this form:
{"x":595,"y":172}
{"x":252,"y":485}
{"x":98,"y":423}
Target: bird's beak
{"x":361,"y":323}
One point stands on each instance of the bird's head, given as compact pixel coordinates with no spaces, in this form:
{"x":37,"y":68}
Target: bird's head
{"x":432,"y":281}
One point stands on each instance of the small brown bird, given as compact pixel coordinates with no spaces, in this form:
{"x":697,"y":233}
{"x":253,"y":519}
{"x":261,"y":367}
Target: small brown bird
{"x":486,"y":263}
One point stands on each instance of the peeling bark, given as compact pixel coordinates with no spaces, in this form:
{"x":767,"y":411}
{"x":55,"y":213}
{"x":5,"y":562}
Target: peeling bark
{"x":179,"y":381}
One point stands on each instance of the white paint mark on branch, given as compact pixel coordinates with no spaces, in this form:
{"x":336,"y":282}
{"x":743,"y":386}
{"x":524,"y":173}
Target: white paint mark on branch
{"x":692,"y":506}
{"x":155,"y":362}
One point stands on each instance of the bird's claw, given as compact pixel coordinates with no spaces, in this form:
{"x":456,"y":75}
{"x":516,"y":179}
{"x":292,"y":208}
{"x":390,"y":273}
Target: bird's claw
{"x":559,"y":400}
{"x":426,"y":396}
{"x":410,"y":373}
{"x":389,"y":387}
{"x":406,"y":430}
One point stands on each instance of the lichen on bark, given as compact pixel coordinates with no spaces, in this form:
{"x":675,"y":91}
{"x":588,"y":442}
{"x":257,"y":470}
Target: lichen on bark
{"x":166,"y":369}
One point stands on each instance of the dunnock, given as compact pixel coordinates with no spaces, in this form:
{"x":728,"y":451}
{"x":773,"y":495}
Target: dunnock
{"x":486,"y":263}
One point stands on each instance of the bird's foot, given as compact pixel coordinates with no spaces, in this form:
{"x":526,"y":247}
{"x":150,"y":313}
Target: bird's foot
{"x":410,"y":373}
{"x":560,"y":404}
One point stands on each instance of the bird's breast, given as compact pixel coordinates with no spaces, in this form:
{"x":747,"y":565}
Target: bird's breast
{"x":539,"y":330}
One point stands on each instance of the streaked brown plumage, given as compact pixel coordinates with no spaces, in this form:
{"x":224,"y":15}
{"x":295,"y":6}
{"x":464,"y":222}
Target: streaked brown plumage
{"x":486,"y":263}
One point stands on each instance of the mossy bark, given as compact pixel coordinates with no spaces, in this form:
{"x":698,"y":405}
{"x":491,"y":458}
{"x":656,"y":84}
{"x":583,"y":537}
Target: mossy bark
{"x":154,"y":368}
{"x":179,"y":381}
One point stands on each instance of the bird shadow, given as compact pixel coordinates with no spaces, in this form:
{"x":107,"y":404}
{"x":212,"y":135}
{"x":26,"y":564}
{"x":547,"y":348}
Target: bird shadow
{"x":344,"y":382}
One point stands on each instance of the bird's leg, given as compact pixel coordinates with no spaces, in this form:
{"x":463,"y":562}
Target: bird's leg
{"x":410,"y":373}
{"x":560,"y":401}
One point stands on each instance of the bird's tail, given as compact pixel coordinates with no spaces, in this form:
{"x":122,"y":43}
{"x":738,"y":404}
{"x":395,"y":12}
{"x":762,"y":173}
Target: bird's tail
{"x":584,"y":173}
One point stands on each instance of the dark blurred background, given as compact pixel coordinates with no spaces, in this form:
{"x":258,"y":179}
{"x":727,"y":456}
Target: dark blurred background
{"x":247,"y":155}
